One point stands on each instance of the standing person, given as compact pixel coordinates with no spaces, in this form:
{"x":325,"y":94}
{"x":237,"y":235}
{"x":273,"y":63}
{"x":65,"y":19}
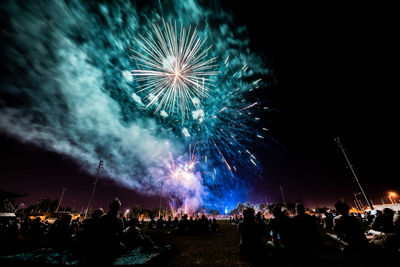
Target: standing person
{"x":251,"y":245}
{"x":282,"y":229}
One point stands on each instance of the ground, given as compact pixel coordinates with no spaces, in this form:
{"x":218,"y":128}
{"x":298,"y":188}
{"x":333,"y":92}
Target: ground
{"x":218,"y":249}
{"x":221,"y":249}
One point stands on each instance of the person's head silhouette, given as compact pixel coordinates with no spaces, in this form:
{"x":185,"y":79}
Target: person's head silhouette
{"x":114,"y":206}
{"x":301,"y":210}
{"x":342,"y":208}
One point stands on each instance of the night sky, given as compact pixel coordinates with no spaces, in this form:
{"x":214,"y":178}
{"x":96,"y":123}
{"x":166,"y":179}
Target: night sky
{"x":334,"y":70}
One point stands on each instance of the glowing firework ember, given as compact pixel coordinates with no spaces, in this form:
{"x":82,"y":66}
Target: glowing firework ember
{"x":174,"y":70}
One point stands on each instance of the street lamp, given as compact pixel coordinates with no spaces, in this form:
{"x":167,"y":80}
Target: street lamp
{"x":392,"y":195}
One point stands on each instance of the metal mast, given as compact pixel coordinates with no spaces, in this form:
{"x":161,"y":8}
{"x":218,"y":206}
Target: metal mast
{"x":94,"y":188}
{"x":159,"y":211}
{"x":337,"y":140}
{"x":61,"y":198}
{"x":283,"y":196}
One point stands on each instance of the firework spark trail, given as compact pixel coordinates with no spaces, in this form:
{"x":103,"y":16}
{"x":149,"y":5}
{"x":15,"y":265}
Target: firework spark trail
{"x":250,"y":106}
{"x":174,"y":68}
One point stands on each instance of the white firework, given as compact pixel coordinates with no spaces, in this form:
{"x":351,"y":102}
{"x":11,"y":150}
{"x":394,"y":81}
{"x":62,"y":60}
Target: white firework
{"x":174,"y":69}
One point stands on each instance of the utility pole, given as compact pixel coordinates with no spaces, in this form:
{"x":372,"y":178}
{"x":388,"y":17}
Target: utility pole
{"x":340,"y":145}
{"x":159,"y":211}
{"x":61,"y":198}
{"x":94,"y":188}
{"x":283,"y":196}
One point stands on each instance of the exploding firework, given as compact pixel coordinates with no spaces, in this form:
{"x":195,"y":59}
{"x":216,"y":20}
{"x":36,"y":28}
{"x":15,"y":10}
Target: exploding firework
{"x":174,"y":69}
{"x":182,"y":176}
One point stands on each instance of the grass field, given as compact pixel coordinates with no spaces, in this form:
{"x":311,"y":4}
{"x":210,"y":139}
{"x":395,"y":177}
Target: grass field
{"x":221,"y":249}
{"x":213,"y":249}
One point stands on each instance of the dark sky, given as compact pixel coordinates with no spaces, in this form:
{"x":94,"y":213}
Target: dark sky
{"x":334,"y":67}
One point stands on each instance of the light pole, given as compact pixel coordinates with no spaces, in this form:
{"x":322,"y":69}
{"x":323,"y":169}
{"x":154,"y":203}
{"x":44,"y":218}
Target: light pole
{"x":62,"y":195}
{"x":159,"y":211}
{"x":283,"y":196}
{"x":94,"y":188}
{"x":339,"y":143}
{"x":357,"y":201}
{"x":391,"y":195}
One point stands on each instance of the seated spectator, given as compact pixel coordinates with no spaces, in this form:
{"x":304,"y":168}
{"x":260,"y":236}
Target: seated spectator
{"x":133,"y":238}
{"x":175,"y":222}
{"x":261,"y":223}
{"x":169,"y":224}
{"x":62,"y":235}
{"x":214,"y":226}
{"x":152,"y":224}
{"x":378,"y":221}
{"x":305,"y":228}
{"x":347,"y":227}
{"x":396,"y":222}
{"x":89,"y":237}
{"x":160,"y":223}
{"x":387,"y":225}
{"x":328,"y":221}
{"x":110,"y":233}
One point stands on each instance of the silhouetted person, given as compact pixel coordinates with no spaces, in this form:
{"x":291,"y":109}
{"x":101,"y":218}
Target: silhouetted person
{"x":89,"y":238}
{"x":175,"y":222}
{"x":160,"y":223}
{"x":215,"y":226}
{"x":328,"y":221}
{"x":387,"y":221}
{"x":348,"y":227}
{"x":169,"y":224}
{"x":251,"y":245}
{"x":306,"y":228}
{"x":396,"y":222}
{"x":378,"y":221}
{"x":62,"y":233}
{"x":183,"y":224}
{"x":152,"y":224}
{"x":133,"y":238}
{"x":204,"y":224}
{"x":282,"y":228}
{"x":111,"y":231}
{"x":261,"y":223}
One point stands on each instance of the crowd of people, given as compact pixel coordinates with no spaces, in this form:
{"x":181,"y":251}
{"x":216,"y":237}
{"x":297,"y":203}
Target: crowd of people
{"x":100,"y":238}
{"x":107,"y":235}
{"x":201,"y":224}
{"x":299,"y":233}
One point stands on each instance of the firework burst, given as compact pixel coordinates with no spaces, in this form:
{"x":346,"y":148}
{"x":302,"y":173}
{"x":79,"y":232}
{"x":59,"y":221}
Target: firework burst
{"x":173,"y":69}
